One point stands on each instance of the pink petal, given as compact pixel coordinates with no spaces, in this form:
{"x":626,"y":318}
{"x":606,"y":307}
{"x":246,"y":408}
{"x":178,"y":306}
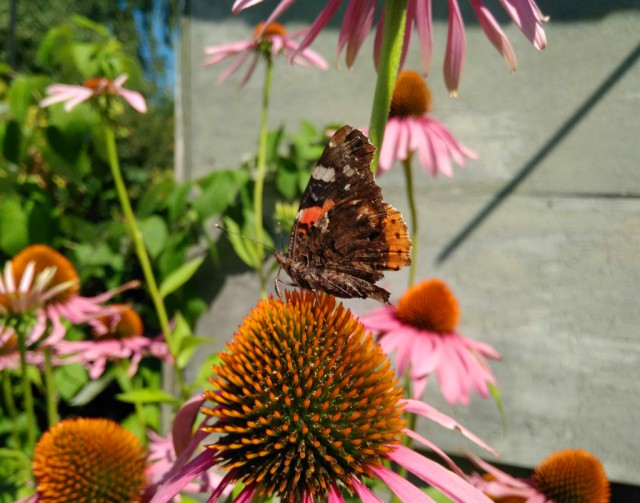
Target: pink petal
{"x":443,"y":420}
{"x":277,"y":12}
{"x":401,"y":487}
{"x":456,"y":49}
{"x":500,"y":476}
{"x":181,"y":430}
{"x":494,"y":33}
{"x":239,"y":5}
{"x":334,"y":495}
{"x":364,"y":492}
{"x":134,"y":99}
{"x":317,"y":26}
{"x":389,"y":145}
{"x":427,"y":354}
{"x":172,"y":486}
{"x":527,"y":17}
{"x":233,"y":67}
{"x":356,"y":24}
{"x":428,"y":443}
{"x":250,"y":70}
{"x":447,"y":482}
{"x":425,"y":32}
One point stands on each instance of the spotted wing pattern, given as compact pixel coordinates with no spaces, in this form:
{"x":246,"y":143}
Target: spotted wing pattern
{"x":345,"y":236}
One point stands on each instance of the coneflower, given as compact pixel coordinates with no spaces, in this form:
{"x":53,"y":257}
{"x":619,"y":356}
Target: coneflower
{"x":307,"y":407}
{"x":421,"y":329}
{"x":87,"y":460}
{"x":567,"y":476}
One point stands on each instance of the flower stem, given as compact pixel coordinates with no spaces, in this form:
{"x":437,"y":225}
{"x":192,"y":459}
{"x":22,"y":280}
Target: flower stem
{"x":10,"y":404}
{"x":50,"y":387}
{"x":141,"y":251}
{"x":395,"y":16}
{"x":260,"y":175}
{"x":29,"y":405}
{"x":414,"y":219}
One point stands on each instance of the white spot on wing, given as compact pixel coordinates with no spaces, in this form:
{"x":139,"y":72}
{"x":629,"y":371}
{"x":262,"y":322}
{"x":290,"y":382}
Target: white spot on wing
{"x":347,"y":186}
{"x":324,"y":174}
{"x":347,"y":170}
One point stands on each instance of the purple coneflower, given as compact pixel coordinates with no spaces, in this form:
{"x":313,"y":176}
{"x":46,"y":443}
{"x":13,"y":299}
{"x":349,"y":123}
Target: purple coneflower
{"x":306,"y":408}
{"x":421,"y":330}
{"x":117,"y":337}
{"x":268,"y":41}
{"x":567,"y":475}
{"x":359,"y":17}
{"x":72,"y":95}
{"x":410,"y":129}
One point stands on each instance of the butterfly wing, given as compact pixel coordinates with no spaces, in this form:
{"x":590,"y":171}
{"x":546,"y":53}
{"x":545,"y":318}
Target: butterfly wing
{"x":345,"y":236}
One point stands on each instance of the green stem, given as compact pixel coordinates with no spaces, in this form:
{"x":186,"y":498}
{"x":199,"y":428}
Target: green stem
{"x":141,"y":251}
{"x":126,"y":383}
{"x":12,"y":411}
{"x":414,"y":219}
{"x":395,"y":15}
{"x":260,"y":176}
{"x":28,"y":392}
{"x":52,"y":402}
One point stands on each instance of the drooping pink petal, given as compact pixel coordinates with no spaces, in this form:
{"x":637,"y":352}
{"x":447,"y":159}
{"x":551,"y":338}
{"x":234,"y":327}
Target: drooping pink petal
{"x":445,"y":421}
{"x":401,"y":487}
{"x":72,"y":95}
{"x":278,"y":11}
{"x":317,"y":26}
{"x":528,"y":19}
{"x":428,"y":443}
{"x":250,"y":70}
{"x":174,"y":484}
{"x":334,"y":495}
{"x":364,"y":492}
{"x":135,"y":99}
{"x":181,"y":430}
{"x":427,"y":353}
{"x":239,"y":5}
{"x":356,"y":24}
{"x":389,"y":145}
{"x":494,"y":33}
{"x":456,"y":49}
{"x":451,"y":485}
{"x":425,"y":32}
{"x":233,"y":67}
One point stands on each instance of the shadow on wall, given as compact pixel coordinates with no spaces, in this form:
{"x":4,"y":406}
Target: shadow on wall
{"x":306,"y":12}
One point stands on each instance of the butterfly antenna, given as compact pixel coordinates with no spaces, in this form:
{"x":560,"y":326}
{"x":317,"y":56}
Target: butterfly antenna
{"x":243,"y":236}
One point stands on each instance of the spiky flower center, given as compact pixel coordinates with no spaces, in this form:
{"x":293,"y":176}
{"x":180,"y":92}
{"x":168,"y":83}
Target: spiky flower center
{"x":306,"y":399}
{"x":44,"y":257}
{"x":260,"y":33}
{"x":431,"y":306}
{"x":85,"y":460}
{"x":125,"y":324}
{"x":572,"y":475}
{"x":411,"y":96}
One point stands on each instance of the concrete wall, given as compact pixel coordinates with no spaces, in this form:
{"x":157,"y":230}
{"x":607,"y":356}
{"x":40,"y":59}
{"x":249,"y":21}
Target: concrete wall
{"x":539,"y":238}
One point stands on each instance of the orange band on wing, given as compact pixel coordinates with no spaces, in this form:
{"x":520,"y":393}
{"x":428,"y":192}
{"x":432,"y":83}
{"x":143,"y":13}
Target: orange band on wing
{"x":312,"y":214}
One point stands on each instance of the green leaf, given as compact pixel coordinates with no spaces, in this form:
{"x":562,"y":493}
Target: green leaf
{"x":181,"y":331}
{"x":88,"y":24}
{"x":14,"y":226}
{"x":91,"y":390}
{"x":245,"y":249}
{"x":220,"y":189}
{"x":70,"y":379}
{"x":154,"y":234}
{"x":180,"y":276}
{"x":436,"y":495}
{"x":12,"y":141}
{"x":497,"y":397}
{"x":187,"y":349}
{"x":205,"y":370}
{"x":23,"y":94}
{"x":148,"y":396}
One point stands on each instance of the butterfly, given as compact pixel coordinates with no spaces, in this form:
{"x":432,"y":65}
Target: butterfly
{"x":345,"y":236}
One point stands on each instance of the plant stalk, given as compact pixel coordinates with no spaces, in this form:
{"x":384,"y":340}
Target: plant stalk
{"x":260,"y":176}
{"x":395,"y":16}
{"x":413,"y":215}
